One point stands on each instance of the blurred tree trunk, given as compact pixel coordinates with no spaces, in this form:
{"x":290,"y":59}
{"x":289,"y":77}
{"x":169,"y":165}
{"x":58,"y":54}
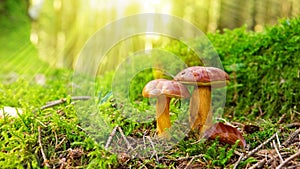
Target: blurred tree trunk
{"x":295,"y":5}
{"x":202,"y":7}
{"x":233,"y":13}
{"x":253,"y":11}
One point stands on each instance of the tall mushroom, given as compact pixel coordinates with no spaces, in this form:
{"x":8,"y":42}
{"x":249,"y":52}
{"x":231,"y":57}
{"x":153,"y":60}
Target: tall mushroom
{"x":203,"y":79}
{"x":164,"y":90}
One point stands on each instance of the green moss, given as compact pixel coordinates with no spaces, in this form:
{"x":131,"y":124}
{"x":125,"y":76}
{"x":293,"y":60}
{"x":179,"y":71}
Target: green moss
{"x":264,"y":69}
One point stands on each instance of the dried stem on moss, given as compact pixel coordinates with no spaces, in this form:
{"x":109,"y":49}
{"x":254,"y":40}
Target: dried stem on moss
{"x":46,"y":161}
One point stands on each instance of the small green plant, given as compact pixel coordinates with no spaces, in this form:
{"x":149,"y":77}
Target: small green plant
{"x":217,"y":155}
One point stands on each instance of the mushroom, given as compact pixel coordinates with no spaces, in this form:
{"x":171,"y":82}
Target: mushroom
{"x":203,"y":79}
{"x":164,"y":90}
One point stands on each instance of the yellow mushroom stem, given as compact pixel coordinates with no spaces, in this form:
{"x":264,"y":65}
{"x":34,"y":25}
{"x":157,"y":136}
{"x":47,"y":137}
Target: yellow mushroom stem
{"x":162,"y":114}
{"x":200,"y":108}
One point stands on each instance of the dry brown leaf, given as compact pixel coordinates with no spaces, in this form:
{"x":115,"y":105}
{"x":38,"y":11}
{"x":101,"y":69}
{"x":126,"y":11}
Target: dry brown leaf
{"x":226,"y":134}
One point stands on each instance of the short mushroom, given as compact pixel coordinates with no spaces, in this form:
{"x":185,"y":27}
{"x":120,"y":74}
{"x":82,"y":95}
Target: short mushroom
{"x":164,"y":90}
{"x":203,"y":78}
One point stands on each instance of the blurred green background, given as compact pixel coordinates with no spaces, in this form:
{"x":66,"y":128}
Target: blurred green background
{"x":58,"y":29}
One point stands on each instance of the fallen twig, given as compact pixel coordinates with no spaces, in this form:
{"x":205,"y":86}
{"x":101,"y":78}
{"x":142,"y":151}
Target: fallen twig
{"x":294,"y":166}
{"x":189,"y":163}
{"x":41,"y":123}
{"x":112,"y":134}
{"x":144,"y":141}
{"x":250,"y":153}
{"x":297,"y":124}
{"x":188,"y":157}
{"x":226,"y":122}
{"x":288,"y":159}
{"x":81,"y":128}
{"x":259,"y":164}
{"x":296,"y":143}
{"x":264,"y":161}
{"x":62,"y":163}
{"x":63,"y":100}
{"x":60,"y":143}
{"x":125,"y":139}
{"x":284,"y":154}
{"x":56,"y":139}
{"x":238,"y":153}
{"x":154,"y":150}
{"x":277,"y":151}
{"x":278,"y":141}
{"x":41,"y":147}
{"x":291,"y":138}
{"x":238,"y":161}
{"x":281,"y":119}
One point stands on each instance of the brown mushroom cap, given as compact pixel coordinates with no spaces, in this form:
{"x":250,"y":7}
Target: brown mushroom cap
{"x":170,"y":88}
{"x":203,"y":76}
